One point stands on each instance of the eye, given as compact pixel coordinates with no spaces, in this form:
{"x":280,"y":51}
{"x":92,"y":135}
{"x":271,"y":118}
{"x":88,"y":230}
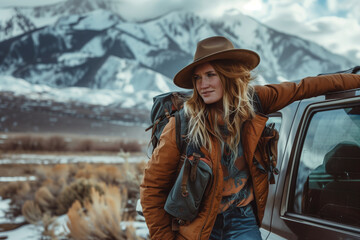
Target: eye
{"x":211,"y":74}
{"x":196,"y":77}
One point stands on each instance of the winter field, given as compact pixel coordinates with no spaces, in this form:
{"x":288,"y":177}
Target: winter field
{"x":70,"y":195}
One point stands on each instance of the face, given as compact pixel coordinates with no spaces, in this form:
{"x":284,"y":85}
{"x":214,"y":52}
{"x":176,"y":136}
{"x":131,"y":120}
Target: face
{"x":208,"y":83}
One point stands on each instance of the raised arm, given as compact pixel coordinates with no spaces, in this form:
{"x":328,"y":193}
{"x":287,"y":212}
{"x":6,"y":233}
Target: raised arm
{"x":274,"y":97}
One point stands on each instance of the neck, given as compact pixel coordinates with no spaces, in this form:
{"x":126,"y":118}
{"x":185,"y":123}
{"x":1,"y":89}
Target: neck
{"x":217,"y":107}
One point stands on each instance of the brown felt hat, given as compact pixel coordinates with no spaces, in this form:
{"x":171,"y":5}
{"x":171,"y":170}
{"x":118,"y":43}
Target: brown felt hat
{"x":215,"y":48}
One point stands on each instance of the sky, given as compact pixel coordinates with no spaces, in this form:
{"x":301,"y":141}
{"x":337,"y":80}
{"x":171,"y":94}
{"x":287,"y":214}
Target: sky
{"x":334,"y":24}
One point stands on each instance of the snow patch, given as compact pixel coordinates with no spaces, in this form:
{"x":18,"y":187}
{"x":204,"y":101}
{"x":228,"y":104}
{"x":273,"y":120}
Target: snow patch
{"x":76,"y":94}
{"x":17,"y":179}
{"x":73,"y":58}
{"x":95,"y":47}
{"x":6,"y":14}
{"x":104,"y":20}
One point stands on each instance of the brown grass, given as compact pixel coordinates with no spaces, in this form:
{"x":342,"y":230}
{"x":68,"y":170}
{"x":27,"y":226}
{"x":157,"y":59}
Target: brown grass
{"x":18,"y":192}
{"x":76,"y":191}
{"x":45,"y":199}
{"x":31,"y":212}
{"x":49,"y":225}
{"x":15,"y":189}
{"x":100,"y":218}
{"x":29,"y":143}
{"x":107,"y":192}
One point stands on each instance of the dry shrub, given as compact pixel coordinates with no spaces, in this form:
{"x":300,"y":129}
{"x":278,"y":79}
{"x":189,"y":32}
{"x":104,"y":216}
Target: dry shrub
{"x":61,"y":171}
{"x":111,"y":146}
{"x":53,"y":181}
{"x":85,"y":145}
{"x":108,"y":146}
{"x":138,"y":170}
{"x":126,"y":176}
{"x":76,"y":191}
{"x":57,"y":188}
{"x":45,"y":199}
{"x":14,"y":189}
{"x":140,"y":167}
{"x":127,"y":168}
{"x":18,"y":193}
{"x":86,"y":172}
{"x":108,"y":174}
{"x":42,"y":172}
{"x":101,"y":217}
{"x":23,"y":143}
{"x":133,"y":172}
{"x":132,"y":146}
{"x":56,"y":143}
{"x":59,"y":175}
{"x":31,"y":212}
{"x":31,"y":143}
{"x":50,"y":182}
{"x":49,"y":224}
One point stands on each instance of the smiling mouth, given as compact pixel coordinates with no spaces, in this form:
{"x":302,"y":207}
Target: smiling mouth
{"x":207,"y":92}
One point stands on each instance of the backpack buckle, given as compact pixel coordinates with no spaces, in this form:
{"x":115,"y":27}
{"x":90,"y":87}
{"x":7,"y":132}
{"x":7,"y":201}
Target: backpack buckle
{"x":194,"y":166}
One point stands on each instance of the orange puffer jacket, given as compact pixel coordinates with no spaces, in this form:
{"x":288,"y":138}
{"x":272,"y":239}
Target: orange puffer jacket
{"x":161,"y":170}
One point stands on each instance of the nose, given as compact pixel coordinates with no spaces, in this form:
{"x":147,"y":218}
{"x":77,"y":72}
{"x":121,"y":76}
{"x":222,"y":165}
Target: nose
{"x":204,"y":82}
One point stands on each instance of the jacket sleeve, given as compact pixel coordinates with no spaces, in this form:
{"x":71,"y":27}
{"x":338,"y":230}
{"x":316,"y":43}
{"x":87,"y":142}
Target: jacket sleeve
{"x":158,"y":178}
{"x":274,"y":97}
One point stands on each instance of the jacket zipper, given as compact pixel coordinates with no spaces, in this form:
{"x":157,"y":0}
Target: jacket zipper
{"x":212,"y":200}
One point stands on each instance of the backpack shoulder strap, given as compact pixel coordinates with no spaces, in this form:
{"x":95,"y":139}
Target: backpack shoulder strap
{"x":181,"y":127}
{"x":177,"y":130}
{"x":257,"y":103}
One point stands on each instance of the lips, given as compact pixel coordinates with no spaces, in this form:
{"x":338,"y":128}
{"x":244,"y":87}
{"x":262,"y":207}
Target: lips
{"x":206,"y":92}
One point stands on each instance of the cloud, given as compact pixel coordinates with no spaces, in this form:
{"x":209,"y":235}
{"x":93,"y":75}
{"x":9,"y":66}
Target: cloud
{"x":143,"y":9}
{"x":349,"y":9}
{"x":7,"y":3}
{"x":341,"y":35}
{"x":333,"y":24}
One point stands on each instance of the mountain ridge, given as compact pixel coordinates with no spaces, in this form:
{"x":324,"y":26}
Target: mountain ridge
{"x":101,"y":50}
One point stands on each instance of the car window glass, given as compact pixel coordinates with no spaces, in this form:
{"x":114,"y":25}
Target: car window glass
{"x":276,"y":120}
{"x":328,"y":177}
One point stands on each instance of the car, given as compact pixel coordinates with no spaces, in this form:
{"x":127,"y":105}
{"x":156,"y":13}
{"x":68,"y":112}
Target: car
{"x":317,"y":192}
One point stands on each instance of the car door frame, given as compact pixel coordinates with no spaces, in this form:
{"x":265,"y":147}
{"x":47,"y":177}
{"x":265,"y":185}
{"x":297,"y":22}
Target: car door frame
{"x":287,"y":225}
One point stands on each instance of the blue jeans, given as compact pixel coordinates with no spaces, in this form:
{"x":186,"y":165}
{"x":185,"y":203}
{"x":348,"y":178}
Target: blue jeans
{"x":236,"y":223}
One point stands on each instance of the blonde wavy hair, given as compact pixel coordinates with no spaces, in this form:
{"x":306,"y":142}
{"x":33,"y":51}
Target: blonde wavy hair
{"x":237,"y":108}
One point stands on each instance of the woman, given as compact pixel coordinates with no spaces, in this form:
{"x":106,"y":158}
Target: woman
{"x":225,"y":128}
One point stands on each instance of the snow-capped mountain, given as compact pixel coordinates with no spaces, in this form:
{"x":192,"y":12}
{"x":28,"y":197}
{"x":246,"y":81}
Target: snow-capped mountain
{"x":18,"y":20}
{"x":77,"y":46}
{"x":14,"y":23}
{"x":78,"y":66}
{"x":100,"y":50}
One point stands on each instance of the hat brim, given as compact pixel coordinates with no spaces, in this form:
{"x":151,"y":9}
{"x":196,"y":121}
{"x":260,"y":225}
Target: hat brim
{"x":246,"y":57}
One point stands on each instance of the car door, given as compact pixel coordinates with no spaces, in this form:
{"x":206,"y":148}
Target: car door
{"x":283,"y":121}
{"x":318,"y":194}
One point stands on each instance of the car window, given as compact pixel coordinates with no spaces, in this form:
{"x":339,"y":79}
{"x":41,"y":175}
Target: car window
{"x":276,"y":119}
{"x":328,"y":177}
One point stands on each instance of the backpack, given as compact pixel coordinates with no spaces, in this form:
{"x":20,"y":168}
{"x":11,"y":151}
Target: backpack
{"x":170,"y":104}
